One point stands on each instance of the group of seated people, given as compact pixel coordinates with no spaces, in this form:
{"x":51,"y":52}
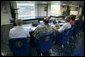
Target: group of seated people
{"x":22,"y":32}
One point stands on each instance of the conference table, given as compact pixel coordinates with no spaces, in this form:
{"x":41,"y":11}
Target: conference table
{"x":32,"y":28}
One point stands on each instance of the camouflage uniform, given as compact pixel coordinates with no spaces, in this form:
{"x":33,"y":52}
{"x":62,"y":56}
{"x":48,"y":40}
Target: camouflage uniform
{"x":42,"y":29}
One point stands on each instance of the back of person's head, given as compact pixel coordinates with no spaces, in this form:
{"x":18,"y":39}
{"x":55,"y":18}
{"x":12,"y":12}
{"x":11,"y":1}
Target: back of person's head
{"x":68,"y":7}
{"x":68,"y":18}
{"x":46,"y":20}
{"x":73,"y":17}
{"x":19,"y":22}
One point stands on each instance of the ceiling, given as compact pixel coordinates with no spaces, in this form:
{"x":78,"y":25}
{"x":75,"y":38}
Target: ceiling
{"x":76,"y":3}
{"x":81,"y":3}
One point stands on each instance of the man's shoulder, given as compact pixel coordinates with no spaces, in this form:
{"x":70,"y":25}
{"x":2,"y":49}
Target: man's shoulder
{"x":12,"y":28}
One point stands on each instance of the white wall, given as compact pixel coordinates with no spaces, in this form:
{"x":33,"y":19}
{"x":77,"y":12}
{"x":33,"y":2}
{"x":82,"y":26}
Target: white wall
{"x":36,"y":9}
{"x":42,"y":12}
{"x":39,"y":9}
{"x":49,"y":9}
{"x":5,"y":13}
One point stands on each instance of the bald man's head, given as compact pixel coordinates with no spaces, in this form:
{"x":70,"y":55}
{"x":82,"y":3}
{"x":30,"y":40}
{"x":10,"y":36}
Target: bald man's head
{"x":19,"y":22}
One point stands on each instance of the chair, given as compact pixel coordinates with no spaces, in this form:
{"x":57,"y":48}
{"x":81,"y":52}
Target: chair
{"x":44,"y":43}
{"x":20,"y":47}
{"x":64,"y":38}
{"x":78,"y":29}
{"x":79,"y":51}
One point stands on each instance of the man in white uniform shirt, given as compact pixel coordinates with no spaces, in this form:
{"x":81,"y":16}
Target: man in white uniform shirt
{"x":65,"y":26}
{"x":19,"y":31}
{"x":22,"y":33}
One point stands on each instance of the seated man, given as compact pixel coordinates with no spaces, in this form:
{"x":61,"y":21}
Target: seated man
{"x":42,"y":29}
{"x":41,"y":23}
{"x":19,"y":33}
{"x":46,"y":28}
{"x":65,"y":26}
